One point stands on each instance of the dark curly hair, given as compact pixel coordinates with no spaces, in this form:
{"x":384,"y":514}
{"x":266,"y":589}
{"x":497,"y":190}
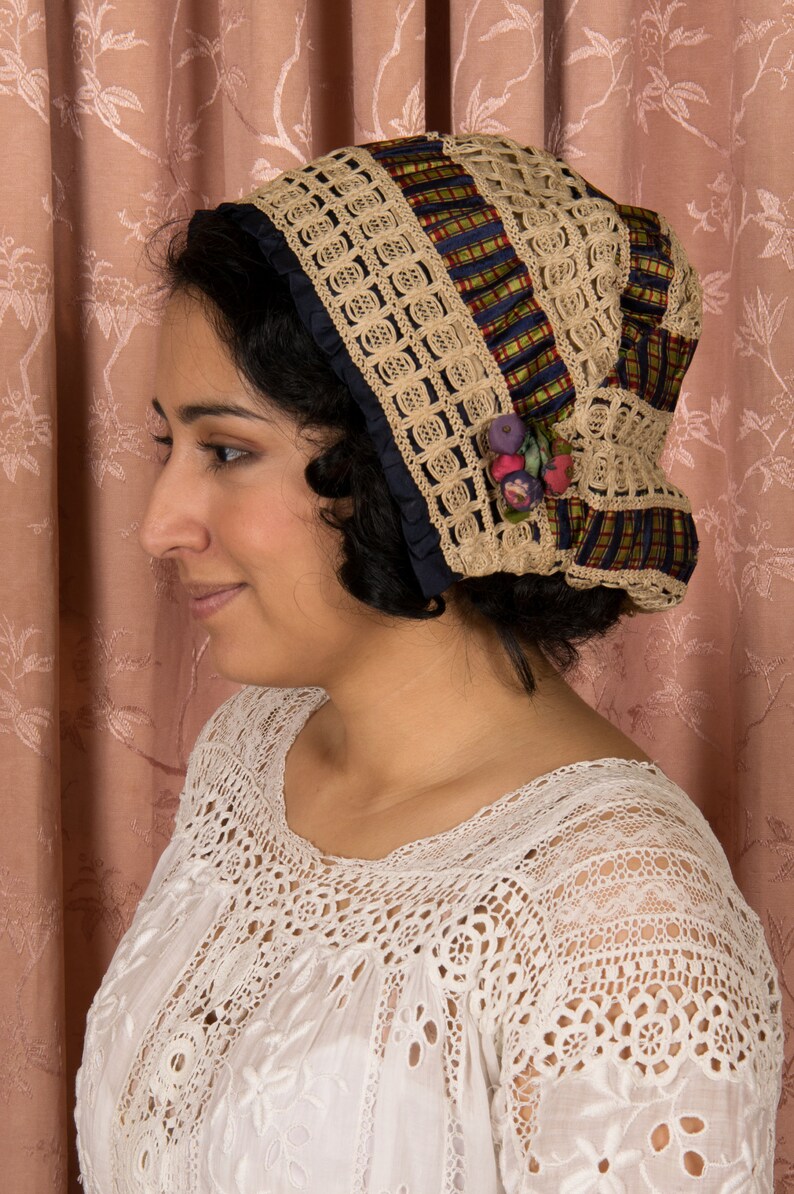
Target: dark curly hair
{"x":250,"y":308}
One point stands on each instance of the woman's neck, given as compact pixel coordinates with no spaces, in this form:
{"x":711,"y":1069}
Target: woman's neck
{"x":432,"y":705}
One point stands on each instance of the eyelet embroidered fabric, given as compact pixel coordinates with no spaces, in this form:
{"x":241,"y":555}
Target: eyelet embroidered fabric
{"x":566,"y":992}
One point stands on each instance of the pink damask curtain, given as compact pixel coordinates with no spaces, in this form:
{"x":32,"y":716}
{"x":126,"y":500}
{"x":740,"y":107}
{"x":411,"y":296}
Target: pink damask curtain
{"x":116,"y":117}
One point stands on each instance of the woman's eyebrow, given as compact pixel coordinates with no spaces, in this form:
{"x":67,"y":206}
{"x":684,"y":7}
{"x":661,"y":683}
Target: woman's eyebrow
{"x":188,"y":414}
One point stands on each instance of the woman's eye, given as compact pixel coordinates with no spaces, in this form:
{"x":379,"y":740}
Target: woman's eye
{"x":162,"y":439}
{"x":218,"y":451}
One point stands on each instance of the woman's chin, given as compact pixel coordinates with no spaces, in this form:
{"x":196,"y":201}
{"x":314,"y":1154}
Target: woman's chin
{"x":230,"y":662}
{"x":234,"y":663}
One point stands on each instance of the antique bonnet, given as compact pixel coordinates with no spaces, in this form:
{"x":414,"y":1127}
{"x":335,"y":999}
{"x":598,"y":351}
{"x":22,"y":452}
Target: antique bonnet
{"x":516,"y":341}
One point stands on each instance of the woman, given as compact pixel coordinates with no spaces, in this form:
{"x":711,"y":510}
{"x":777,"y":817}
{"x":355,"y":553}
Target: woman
{"x":427,"y":921}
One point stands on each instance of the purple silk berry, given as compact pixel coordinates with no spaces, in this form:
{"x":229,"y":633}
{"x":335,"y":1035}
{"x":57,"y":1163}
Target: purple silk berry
{"x":520,"y":490}
{"x":506,"y":434}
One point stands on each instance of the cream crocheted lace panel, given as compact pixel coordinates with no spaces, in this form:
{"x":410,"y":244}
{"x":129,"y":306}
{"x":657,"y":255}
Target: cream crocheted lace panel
{"x":566,"y":992}
{"x":415,"y":342}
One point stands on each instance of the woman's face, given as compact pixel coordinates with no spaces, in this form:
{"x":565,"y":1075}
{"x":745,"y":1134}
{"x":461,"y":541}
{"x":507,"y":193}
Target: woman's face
{"x":231,"y":507}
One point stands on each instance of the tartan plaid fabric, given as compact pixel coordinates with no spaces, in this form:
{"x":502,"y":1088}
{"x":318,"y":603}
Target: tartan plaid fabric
{"x":494,"y":282}
{"x":651,"y":538}
{"x":653,"y":367}
{"x":656,"y":537}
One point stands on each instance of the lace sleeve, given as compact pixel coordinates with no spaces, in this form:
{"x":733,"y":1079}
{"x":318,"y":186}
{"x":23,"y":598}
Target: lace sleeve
{"x":641,"y":1041}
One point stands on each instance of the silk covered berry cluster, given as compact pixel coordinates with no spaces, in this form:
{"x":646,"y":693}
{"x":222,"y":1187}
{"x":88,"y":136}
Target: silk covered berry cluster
{"x":527,"y":465}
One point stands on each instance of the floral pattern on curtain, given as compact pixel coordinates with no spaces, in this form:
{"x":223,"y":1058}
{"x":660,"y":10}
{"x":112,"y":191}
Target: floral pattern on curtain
{"x":116,"y":117}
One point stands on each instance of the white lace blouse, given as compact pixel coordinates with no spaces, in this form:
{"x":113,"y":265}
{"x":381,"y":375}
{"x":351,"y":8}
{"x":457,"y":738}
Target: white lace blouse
{"x":566,"y":993}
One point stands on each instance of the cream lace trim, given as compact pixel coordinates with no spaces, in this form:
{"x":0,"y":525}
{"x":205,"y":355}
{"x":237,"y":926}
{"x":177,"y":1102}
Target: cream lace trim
{"x":684,"y":313}
{"x":576,"y":250}
{"x":617,"y":440}
{"x":415,"y":342}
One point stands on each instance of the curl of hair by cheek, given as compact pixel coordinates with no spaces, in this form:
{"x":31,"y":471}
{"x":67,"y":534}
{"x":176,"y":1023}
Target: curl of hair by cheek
{"x":251,"y":310}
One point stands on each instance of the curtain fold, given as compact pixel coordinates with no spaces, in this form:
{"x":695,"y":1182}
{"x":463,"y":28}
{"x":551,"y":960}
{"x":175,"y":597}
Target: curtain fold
{"x":117,"y":117}
{"x":32,"y":1073}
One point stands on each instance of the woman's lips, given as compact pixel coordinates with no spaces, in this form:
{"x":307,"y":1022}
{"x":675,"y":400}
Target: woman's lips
{"x":203,"y":607}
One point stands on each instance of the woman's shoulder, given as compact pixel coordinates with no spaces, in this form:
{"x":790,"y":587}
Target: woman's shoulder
{"x":605,"y":804}
{"x":614,"y":849}
{"x":618,"y":802}
{"x":632,"y":921}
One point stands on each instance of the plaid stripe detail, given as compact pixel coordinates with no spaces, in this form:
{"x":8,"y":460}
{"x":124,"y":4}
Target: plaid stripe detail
{"x":653,"y":367}
{"x":546,"y":395}
{"x":493,"y":281}
{"x":566,"y":519}
{"x":507,"y":295}
{"x":656,"y":538}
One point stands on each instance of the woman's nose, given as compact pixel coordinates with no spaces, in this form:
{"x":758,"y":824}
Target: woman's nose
{"x":173,"y":519}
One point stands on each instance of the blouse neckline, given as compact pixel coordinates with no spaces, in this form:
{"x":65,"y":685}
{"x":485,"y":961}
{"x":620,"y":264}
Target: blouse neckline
{"x":302,"y":846}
